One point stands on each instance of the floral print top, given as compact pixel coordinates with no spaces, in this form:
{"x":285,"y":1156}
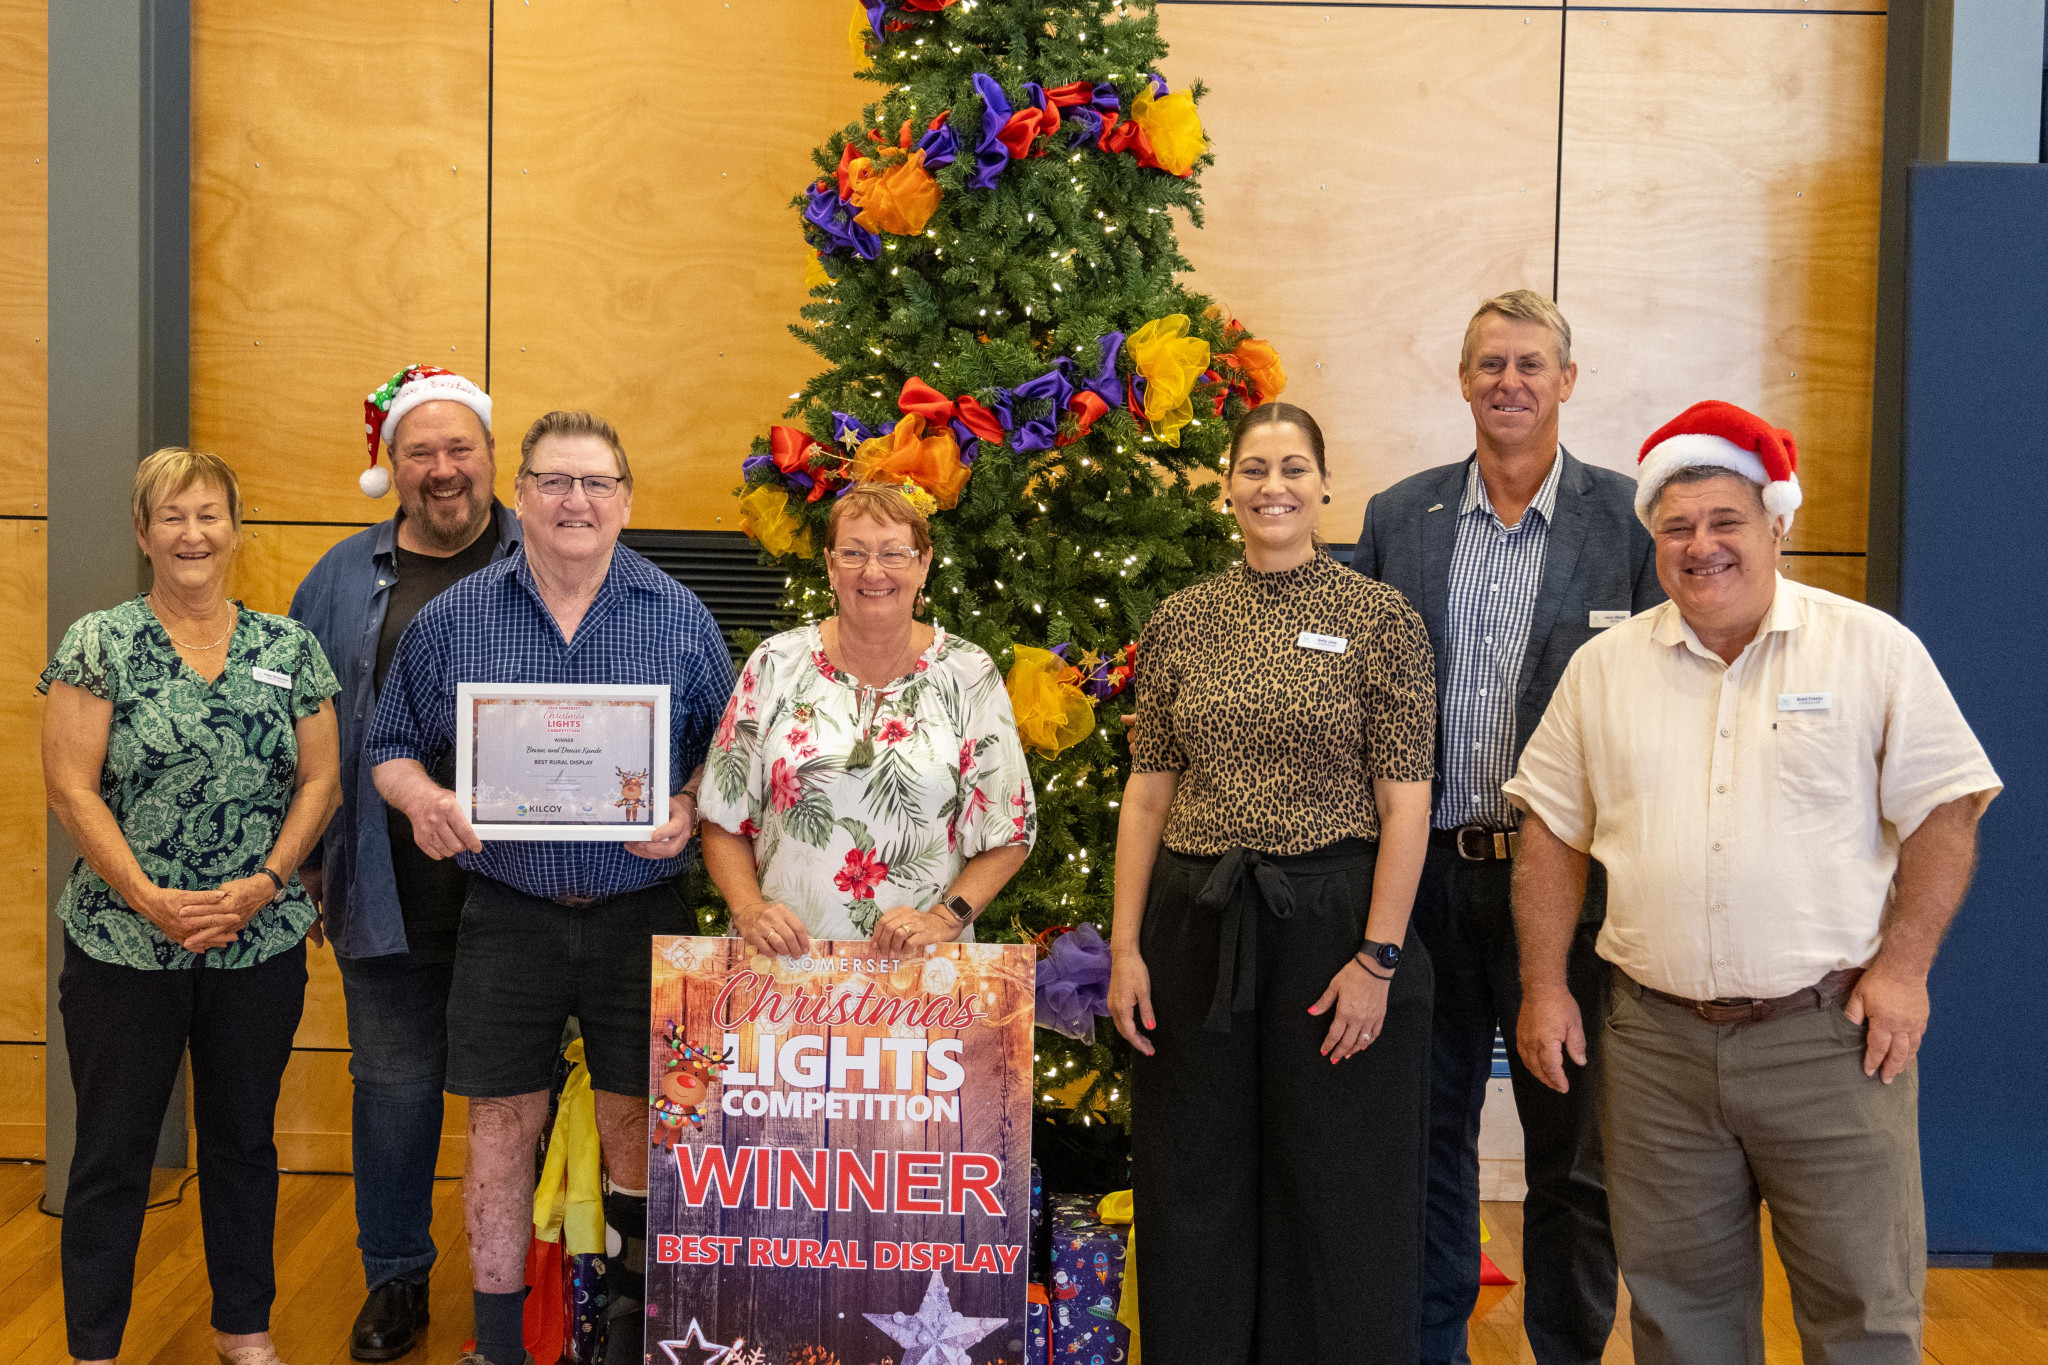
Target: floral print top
{"x":837,"y":844}
{"x":198,"y":775}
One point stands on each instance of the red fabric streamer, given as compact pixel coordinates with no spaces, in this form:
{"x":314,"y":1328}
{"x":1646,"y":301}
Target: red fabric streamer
{"x":544,"y":1320}
{"x":1074,"y":92}
{"x":1088,"y":409}
{"x":1024,"y":128}
{"x":847,"y":156}
{"x":927,"y":402}
{"x":791,"y":448}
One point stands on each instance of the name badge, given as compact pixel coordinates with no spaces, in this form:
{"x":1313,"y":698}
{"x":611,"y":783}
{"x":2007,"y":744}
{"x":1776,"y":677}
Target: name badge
{"x":272,"y":676}
{"x":1329,"y":644}
{"x":1601,"y":620}
{"x":1804,"y":701}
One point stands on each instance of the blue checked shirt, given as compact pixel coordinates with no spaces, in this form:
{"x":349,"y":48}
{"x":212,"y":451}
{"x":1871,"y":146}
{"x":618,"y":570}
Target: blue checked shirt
{"x":642,"y":628}
{"x":1495,"y":573}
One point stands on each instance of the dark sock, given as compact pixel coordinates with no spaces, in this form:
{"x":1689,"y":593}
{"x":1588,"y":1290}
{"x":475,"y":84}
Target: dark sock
{"x":500,"y":1337}
{"x":626,"y":1215}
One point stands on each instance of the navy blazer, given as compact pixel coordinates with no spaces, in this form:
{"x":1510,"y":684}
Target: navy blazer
{"x":1600,"y":559}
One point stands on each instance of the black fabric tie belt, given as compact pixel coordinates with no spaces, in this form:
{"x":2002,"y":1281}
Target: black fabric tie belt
{"x":1239,"y":876}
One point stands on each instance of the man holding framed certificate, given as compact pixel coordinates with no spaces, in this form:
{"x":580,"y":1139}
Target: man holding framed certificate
{"x":575,"y":686}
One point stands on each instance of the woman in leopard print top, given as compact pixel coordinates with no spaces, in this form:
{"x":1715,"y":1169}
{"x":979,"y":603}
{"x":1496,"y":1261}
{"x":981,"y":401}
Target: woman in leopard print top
{"x":1272,"y":835}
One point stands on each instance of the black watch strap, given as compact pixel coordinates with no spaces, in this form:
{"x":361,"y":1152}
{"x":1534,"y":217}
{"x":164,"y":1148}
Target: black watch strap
{"x":275,"y":881}
{"x":1385,"y":955}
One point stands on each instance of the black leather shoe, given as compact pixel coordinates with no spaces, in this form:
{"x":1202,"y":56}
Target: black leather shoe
{"x":391,"y":1323}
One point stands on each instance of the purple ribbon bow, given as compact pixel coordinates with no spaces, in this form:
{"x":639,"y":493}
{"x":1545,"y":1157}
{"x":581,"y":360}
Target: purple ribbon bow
{"x":1073,"y":983}
{"x":832,"y":218}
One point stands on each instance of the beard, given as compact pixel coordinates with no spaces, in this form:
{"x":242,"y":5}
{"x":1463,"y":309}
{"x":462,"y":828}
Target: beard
{"x":448,"y":524}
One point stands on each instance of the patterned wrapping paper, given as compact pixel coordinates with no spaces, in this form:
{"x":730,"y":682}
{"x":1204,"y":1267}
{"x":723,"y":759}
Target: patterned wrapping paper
{"x":1085,"y":1285}
{"x":1041,"y":1268}
{"x":1037,"y":1326}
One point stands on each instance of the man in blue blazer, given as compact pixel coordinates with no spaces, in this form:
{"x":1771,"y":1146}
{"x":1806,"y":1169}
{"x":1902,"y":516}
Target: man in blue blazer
{"x":1514,"y":556}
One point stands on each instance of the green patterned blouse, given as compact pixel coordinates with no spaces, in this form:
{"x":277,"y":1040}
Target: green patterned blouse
{"x":199,"y":776}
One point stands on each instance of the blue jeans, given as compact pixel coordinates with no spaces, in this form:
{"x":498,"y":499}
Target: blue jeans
{"x":1568,"y":1263}
{"x":398,"y":1031}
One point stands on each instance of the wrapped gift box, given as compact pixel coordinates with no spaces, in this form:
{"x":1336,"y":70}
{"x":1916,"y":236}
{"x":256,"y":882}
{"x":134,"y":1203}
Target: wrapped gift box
{"x":1037,"y":1325}
{"x":1085,"y":1285}
{"x":1040,"y":1268}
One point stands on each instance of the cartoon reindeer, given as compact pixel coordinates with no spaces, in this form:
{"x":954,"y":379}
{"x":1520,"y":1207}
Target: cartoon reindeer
{"x":632,"y":793}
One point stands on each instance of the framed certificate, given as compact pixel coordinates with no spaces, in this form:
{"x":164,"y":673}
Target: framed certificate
{"x":562,"y":760}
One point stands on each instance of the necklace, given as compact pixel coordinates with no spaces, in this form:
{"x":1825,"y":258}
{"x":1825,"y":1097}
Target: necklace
{"x":201,"y":649}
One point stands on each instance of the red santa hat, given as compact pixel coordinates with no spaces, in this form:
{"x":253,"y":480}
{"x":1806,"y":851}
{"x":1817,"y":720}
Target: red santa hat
{"x":1722,"y":435}
{"x":390,"y":401}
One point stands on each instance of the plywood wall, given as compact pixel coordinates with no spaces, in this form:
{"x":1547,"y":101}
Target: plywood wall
{"x":24,"y":294}
{"x":595,"y":214}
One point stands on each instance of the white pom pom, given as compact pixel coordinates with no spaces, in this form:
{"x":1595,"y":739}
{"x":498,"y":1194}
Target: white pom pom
{"x":376,"y":481}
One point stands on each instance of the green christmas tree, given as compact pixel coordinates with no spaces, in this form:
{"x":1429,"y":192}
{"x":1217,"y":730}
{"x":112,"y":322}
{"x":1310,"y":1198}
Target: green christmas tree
{"x":997,"y":299}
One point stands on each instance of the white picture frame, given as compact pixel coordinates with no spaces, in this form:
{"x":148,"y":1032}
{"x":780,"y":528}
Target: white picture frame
{"x":577,"y":782}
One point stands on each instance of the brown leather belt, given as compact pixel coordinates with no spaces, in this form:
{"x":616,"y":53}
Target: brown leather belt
{"x":1829,"y":990}
{"x":581,"y":902}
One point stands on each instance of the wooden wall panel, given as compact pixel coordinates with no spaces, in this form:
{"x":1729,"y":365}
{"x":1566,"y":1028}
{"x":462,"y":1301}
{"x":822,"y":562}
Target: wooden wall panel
{"x":1718,"y":235}
{"x":1378,"y":173}
{"x":24,"y":235}
{"x":274,"y":560}
{"x":646,"y":263}
{"x":1836,"y":573}
{"x":23,"y":909}
{"x":21,"y":1121}
{"x":339,"y":211}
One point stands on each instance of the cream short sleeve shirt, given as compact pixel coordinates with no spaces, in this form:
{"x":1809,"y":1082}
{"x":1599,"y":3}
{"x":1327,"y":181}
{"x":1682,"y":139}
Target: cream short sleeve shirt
{"x":1750,"y":814}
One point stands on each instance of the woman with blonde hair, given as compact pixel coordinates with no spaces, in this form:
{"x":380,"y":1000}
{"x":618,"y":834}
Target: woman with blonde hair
{"x":866,"y":780}
{"x":189,"y":747}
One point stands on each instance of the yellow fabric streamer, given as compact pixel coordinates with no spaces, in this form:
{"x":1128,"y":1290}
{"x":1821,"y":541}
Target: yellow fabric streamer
{"x":901,"y":199}
{"x":765,"y":515}
{"x":1053,"y":714}
{"x":568,"y":1200}
{"x":1172,"y":126}
{"x":931,"y":462}
{"x":858,"y":31}
{"x":1172,"y":363}
{"x":924,"y":502}
{"x":814,"y":273}
{"x":1121,"y":1208}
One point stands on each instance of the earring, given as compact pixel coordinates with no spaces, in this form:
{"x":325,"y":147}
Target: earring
{"x":1226,"y":504}
{"x":1326,"y":497}
{"x":917,"y":608}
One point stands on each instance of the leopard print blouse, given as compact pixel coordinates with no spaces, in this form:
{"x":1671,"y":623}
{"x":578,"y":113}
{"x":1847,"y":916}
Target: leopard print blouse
{"x":1277,"y":744}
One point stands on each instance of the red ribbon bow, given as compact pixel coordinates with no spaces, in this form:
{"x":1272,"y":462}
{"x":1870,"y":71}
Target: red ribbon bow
{"x":791,"y":450}
{"x":927,"y":402}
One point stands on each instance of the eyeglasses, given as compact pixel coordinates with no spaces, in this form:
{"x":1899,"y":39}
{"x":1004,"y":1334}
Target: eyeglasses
{"x":558,"y":485}
{"x":891,"y":557}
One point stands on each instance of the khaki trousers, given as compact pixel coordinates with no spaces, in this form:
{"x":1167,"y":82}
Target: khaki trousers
{"x":1699,"y":1123}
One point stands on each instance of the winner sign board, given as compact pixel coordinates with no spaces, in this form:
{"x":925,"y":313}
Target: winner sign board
{"x":842,"y":1153}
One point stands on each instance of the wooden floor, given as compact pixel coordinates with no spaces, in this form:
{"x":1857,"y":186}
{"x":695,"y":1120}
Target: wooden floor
{"x":1974,"y":1317}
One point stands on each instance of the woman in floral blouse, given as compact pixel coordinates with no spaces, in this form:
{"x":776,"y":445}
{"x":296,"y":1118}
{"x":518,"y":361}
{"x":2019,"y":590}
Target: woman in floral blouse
{"x":189,"y":747}
{"x":866,"y":780}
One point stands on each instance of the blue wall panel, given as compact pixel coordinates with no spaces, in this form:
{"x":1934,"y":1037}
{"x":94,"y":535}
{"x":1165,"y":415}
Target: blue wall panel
{"x":1974,"y":562}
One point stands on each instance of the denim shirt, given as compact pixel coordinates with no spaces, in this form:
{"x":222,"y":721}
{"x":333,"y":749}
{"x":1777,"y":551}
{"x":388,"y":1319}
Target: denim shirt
{"x":342,"y":601}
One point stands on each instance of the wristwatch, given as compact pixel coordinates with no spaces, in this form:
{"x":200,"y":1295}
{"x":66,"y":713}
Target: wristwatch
{"x":1388,"y":955}
{"x":961,"y":909}
{"x":275,"y":881}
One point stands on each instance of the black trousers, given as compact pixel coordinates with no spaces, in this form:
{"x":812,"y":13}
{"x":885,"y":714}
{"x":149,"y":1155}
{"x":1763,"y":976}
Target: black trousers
{"x":1281,"y":1197}
{"x":125,"y":1030}
{"x":1568,"y":1264}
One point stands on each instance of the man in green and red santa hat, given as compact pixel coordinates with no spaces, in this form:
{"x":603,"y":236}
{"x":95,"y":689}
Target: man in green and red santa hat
{"x":389,"y":910}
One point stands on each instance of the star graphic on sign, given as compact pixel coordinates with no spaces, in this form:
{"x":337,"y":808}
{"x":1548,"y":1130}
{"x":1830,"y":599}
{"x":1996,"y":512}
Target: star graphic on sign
{"x":713,"y":1352}
{"x":936,"y":1335}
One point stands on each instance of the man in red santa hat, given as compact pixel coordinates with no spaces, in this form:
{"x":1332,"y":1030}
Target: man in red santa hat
{"x":1785,"y":797}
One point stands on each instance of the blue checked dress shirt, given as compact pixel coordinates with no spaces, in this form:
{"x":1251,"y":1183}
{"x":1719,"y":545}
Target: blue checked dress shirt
{"x":642,"y":628}
{"x":1495,"y":573}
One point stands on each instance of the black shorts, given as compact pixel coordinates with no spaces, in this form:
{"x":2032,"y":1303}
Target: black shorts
{"x":524,"y":965}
